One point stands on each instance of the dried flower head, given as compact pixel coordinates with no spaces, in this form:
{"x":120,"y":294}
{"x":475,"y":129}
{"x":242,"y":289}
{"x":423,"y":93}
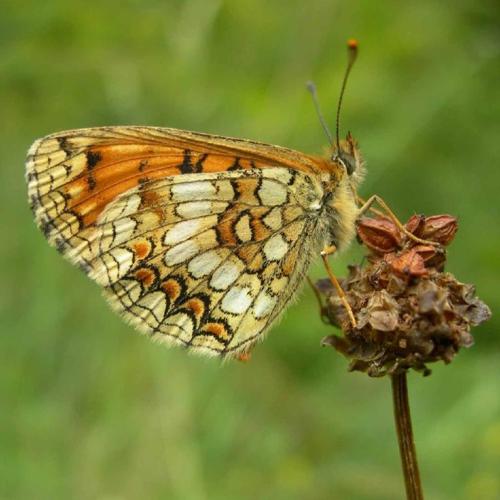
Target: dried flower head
{"x":409,"y":312}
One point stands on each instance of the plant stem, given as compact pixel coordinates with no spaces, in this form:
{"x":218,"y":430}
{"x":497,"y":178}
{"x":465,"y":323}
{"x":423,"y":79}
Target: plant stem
{"x":407,"y":450}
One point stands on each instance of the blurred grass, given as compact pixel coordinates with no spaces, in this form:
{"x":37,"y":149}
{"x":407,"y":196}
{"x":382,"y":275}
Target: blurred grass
{"x":91,"y":410}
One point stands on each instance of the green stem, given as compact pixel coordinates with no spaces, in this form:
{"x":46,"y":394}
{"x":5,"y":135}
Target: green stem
{"x":407,"y":450}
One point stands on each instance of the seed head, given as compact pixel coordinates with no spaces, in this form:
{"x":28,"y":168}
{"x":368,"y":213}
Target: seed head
{"x":409,"y":312}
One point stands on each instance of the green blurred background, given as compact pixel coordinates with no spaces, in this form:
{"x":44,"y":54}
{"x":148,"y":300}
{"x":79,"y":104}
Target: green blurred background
{"x":89,"y":409}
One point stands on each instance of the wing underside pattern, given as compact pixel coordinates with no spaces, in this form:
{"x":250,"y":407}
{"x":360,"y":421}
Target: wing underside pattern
{"x":193,"y":243}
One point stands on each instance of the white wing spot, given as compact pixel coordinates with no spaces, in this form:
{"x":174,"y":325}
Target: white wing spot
{"x":276,"y":247}
{"x":182,"y":231}
{"x":271,"y":193}
{"x":282,"y":174}
{"x":224,"y":276}
{"x":181,"y":252}
{"x":189,"y":191}
{"x":237,"y":300}
{"x":193,"y":209}
{"x":264,"y":304}
{"x":204,"y":264}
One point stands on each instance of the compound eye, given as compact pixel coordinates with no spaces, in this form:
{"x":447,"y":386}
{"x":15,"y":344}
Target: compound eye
{"x":350,"y":163}
{"x":347,"y":161}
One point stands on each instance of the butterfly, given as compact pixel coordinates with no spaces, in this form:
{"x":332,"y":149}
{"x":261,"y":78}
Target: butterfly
{"x":197,"y":240}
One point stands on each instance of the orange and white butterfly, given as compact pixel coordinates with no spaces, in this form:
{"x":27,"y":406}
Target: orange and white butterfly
{"x":197,"y":240}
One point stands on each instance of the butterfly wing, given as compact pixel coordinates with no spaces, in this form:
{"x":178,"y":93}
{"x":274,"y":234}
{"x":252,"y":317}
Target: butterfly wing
{"x":197,"y":240}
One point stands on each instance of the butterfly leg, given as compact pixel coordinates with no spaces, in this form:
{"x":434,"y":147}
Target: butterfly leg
{"x":377,"y":199}
{"x":361,"y":202}
{"x":340,"y":292}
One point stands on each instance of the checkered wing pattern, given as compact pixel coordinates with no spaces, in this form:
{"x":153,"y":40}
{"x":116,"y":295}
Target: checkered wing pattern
{"x":197,"y":240}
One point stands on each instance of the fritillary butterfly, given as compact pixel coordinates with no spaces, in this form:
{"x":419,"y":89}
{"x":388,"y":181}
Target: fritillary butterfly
{"x":197,"y":240}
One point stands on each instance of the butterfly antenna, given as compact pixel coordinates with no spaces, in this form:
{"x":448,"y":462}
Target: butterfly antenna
{"x":352,"y":52}
{"x":314,"y":94}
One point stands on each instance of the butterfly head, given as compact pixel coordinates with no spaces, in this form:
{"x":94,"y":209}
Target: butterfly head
{"x":348,"y":155}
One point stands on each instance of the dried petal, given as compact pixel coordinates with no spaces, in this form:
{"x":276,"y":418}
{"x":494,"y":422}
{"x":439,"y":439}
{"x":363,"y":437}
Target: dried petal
{"x":478,"y":313}
{"x":431,"y":298}
{"x":440,"y":228}
{"x":415,"y":224}
{"x":409,"y":263}
{"x":382,"y":312}
{"x":380,"y":235}
{"x":427,"y":252}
